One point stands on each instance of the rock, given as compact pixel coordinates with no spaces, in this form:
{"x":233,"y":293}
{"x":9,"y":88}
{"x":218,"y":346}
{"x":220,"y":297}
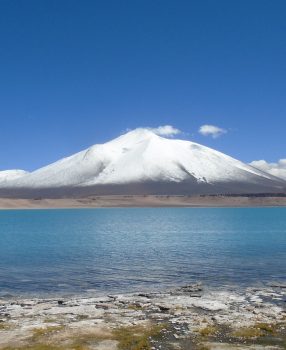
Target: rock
{"x":193,"y":290}
{"x":194,"y":295}
{"x":146,"y":295}
{"x":277,"y":285}
{"x":163,"y":308}
{"x":103,"y":306}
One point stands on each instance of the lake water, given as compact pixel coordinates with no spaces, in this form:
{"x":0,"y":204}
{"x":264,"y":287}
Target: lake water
{"x":120,"y":250}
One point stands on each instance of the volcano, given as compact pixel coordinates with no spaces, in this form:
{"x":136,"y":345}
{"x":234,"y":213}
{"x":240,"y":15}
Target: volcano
{"x":137,"y":163}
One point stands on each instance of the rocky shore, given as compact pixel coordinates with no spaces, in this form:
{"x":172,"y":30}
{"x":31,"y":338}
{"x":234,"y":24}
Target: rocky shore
{"x":188,"y":317}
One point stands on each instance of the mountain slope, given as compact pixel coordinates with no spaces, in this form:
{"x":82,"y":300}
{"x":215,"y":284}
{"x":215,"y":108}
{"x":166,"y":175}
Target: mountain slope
{"x":141,"y":162}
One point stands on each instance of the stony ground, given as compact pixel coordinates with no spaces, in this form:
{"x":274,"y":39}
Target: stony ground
{"x":190,"y":317}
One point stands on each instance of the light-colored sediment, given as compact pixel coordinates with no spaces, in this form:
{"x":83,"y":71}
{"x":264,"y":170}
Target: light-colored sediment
{"x":143,"y":201}
{"x":185,"y":318}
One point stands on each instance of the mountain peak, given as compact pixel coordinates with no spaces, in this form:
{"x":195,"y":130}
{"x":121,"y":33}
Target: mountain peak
{"x":165,"y":131}
{"x":138,"y":134}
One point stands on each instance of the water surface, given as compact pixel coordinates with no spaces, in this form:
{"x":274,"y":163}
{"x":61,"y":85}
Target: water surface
{"x":112,"y":250}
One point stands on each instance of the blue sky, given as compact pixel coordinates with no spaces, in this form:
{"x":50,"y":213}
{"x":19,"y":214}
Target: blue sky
{"x":75,"y":73}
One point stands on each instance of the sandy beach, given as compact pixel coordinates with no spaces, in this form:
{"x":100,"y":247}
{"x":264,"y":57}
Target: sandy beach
{"x":144,"y":201}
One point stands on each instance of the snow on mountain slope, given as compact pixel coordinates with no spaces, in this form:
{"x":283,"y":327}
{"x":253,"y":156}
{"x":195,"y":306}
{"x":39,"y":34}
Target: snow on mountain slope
{"x":143,"y":157}
{"x":7,"y":175}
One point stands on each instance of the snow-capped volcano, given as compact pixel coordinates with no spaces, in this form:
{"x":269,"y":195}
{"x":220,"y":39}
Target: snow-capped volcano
{"x":142,"y":162}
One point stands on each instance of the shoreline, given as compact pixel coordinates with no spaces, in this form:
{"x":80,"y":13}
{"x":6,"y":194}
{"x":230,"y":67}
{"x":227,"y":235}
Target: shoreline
{"x":188,"y":317}
{"x":148,"y":201}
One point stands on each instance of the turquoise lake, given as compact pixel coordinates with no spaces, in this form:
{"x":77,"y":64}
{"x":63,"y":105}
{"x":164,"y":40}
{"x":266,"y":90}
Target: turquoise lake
{"x":122,"y":250}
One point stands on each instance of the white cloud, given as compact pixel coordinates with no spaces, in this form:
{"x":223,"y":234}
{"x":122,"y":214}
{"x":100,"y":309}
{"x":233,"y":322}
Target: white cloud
{"x":166,"y":130}
{"x":211,"y":130}
{"x":163,"y":130}
{"x":277,"y":169}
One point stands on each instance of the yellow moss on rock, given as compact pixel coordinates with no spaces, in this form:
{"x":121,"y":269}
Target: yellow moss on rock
{"x":267,"y":327}
{"x":4,"y":326}
{"x":37,"y":347}
{"x":137,"y":337}
{"x":46,"y":331}
{"x":247,"y":332}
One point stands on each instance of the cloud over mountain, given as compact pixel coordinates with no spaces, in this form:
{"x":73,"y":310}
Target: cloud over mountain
{"x":277,"y":169}
{"x":166,"y":130}
{"x":211,"y":130}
